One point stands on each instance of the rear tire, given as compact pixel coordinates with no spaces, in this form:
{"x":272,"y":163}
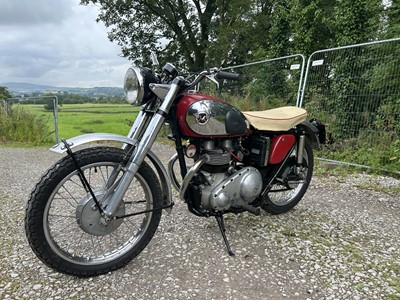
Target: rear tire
{"x":279,"y":202}
{"x":63,"y":225}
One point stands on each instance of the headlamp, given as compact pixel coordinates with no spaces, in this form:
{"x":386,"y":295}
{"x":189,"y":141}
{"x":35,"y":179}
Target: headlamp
{"x":133,"y":86}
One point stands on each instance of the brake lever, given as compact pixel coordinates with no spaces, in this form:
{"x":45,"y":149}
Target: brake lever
{"x":213,"y":73}
{"x":209,"y":74}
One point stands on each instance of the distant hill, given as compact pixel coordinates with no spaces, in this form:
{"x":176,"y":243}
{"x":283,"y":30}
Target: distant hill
{"x":22,"y":88}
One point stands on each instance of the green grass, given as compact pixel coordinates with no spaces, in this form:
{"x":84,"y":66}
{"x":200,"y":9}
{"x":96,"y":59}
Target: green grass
{"x":77,"y":119}
{"x":20,"y":127}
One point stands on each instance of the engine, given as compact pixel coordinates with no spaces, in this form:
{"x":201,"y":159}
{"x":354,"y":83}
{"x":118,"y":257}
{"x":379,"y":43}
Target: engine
{"x":222,"y":183}
{"x":221,"y":192}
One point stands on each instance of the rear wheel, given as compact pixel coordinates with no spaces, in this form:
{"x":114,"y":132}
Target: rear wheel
{"x":64,"y":227}
{"x":290,"y":187}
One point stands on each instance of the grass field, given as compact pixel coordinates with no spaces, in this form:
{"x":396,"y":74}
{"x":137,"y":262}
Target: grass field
{"x":77,"y":119}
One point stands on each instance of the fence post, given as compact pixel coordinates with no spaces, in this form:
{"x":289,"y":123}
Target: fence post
{"x":55,"y":109}
{"x":5,"y":106}
{"x":55,"y":116}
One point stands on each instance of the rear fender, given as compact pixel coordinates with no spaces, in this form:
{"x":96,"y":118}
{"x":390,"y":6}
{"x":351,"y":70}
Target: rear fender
{"x":311,"y":133}
{"x":95,"y":137}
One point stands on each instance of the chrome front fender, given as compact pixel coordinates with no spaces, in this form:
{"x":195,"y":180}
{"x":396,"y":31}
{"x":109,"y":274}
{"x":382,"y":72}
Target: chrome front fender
{"x":96,"y":137}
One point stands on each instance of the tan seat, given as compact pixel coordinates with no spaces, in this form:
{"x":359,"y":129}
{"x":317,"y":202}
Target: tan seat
{"x":276,"y":119}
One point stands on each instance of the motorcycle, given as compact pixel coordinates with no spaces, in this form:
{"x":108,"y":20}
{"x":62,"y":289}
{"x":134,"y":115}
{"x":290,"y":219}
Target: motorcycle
{"x":97,"y":208}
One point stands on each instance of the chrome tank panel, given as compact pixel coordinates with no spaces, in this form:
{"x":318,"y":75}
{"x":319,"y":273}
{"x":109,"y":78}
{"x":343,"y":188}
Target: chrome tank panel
{"x":205,"y":116}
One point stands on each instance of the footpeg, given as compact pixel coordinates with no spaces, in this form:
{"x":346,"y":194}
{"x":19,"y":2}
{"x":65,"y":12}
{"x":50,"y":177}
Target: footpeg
{"x":251,"y":209}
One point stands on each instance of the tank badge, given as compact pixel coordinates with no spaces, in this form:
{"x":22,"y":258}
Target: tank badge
{"x":203,"y":115}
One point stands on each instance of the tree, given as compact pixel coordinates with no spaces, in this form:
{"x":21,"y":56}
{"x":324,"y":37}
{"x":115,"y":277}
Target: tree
{"x":357,"y":21}
{"x":4,"y":93}
{"x":312,"y":25}
{"x":392,"y":17}
{"x":183,"y":29}
{"x":195,"y":34}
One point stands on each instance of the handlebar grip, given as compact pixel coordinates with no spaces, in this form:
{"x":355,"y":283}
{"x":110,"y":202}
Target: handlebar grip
{"x":227,"y":75}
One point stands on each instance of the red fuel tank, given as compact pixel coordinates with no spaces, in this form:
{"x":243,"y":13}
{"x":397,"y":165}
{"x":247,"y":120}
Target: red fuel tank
{"x":206,"y":116}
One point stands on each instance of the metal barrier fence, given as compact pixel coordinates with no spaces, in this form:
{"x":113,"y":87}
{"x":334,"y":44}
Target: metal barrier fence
{"x":38,"y":100}
{"x":355,"y":90}
{"x":263,"y":84}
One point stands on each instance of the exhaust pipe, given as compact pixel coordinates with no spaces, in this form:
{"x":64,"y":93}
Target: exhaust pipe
{"x":171,"y":172}
{"x":193,"y":170}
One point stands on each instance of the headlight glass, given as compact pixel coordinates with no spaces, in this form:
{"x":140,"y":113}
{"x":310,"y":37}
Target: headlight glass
{"x":134,"y":86}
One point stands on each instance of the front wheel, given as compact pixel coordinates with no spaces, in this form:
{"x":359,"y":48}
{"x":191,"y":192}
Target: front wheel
{"x":290,"y":185}
{"x":63,"y":224}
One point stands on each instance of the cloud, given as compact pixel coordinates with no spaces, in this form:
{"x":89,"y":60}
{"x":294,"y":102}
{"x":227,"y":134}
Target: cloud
{"x":28,"y":12}
{"x":58,"y":43}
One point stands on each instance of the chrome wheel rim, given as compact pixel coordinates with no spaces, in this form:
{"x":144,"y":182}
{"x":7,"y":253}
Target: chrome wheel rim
{"x":64,"y":231}
{"x":281,"y":197}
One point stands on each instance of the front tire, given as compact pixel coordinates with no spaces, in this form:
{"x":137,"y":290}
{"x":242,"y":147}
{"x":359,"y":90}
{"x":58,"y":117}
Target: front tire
{"x":63,"y":225}
{"x":285,"y":195}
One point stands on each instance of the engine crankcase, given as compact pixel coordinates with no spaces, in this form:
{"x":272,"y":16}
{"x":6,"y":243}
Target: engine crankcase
{"x":243,"y":186}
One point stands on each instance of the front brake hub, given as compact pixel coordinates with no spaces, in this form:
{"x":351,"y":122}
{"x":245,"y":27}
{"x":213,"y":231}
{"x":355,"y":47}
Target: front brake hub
{"x":90,"y":219}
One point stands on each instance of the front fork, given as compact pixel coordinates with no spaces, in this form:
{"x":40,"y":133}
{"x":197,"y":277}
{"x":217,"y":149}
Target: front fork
{"x":146,"y":140}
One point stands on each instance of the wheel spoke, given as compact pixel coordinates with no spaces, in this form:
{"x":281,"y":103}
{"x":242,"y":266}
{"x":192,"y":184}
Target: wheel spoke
{"x":62,"y":216}
{"x":83,"y":244}
{"x":62,"y":197}
{"x":67,"y":230}
{"x":291,"y":185}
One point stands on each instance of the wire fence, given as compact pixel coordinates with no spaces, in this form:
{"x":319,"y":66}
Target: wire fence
{"x":263,"y":84}
{"x":50,"y":101}
{"x":355,"y":90}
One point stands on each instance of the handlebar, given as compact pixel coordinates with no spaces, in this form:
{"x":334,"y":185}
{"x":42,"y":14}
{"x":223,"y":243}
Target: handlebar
{"x":227,"y":75}
{"x":213,"y":75}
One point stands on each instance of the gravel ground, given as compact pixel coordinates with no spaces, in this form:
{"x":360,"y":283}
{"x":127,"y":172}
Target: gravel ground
{"x":341,"y":242}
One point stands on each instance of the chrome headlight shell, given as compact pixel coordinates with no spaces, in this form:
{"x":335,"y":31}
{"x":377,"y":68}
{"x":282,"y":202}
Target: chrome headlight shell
{"x":133,"y":86}
{"x":136,"y":85}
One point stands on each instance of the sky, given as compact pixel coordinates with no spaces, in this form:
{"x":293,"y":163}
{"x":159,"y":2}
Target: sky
{"x":59,"y":43}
